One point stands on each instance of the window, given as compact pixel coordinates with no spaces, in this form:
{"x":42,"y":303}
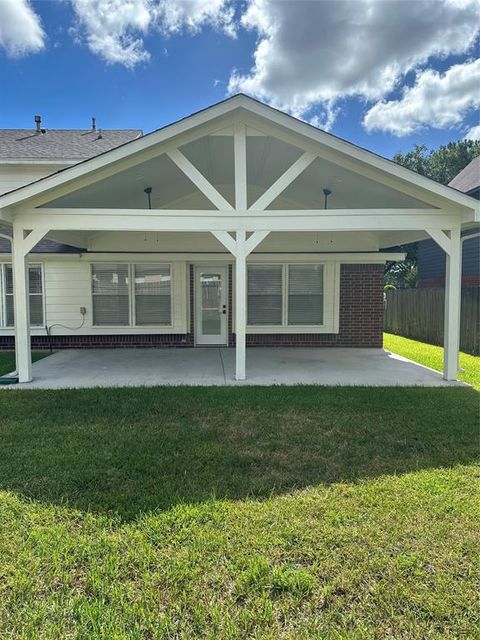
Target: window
{"x":152,"y":294}
{"x":264,"y":294}
{"x":35,"y":282}
{"x":285,"y":295}
{"x":110,"y":294}
{"x":126,"y":294}
{"x":305,"y":294}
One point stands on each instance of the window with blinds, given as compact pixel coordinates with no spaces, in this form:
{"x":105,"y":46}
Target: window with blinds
{"x":305,"y":294}
{"x":35,"y":295}
{"x":152,"y":294}
{"x":264,"y":294}
{"x":131,"y":294}
{"x":110,"y":294}
{"x":285,"y":295}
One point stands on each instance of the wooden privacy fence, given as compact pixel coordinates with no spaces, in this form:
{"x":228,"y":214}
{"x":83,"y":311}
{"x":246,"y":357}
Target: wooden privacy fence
{"x":418,"y":314}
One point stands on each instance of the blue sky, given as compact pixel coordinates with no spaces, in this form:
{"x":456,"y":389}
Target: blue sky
{"x":379,"y":86}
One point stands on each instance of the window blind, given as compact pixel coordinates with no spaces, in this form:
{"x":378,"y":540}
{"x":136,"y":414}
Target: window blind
{"x":305,"y":294}
{"x":264,"y":294}
{"x":35,"y":295}
{"x":152,"y":294}
{"x":110,"y":296}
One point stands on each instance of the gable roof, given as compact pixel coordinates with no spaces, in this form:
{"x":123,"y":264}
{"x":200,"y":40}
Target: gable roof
{"x":469,"y":178}
{"x":61,"y":144}
{"x":202,"y":117}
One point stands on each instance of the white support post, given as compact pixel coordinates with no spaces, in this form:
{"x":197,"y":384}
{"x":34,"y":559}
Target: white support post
{"x":23,"y":354}
{"x":240,"y":306}
{"x":453,"y":278}
{"x":21,"y":246}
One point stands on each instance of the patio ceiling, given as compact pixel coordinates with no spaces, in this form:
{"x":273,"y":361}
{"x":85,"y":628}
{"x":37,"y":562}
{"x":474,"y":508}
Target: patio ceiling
{"x":213,"y":155}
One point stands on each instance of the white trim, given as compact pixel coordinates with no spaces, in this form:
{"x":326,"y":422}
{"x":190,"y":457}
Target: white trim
{"x":441,"y":239}
{"x":281,"y":220}
{"x":227,"y":240}
{"x":198,"y":179}
{"x":283,"y":181}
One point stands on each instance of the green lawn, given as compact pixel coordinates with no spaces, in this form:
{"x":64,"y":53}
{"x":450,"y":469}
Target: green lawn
{"x":7,"y":360}
{"x":220,"y":513}
{"x":432,"y":356}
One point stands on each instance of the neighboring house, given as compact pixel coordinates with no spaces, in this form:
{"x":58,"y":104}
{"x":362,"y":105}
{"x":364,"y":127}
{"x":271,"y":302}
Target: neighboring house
{"x":236,"y":226}
{"x":430,"y":257}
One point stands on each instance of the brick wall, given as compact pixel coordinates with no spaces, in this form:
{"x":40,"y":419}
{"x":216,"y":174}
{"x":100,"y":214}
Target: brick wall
{"x":361,"y":314}
{"x":361,"y":321}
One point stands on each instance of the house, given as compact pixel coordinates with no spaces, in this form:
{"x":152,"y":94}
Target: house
{"x":430,"y":257}
{"x":238,"y":226}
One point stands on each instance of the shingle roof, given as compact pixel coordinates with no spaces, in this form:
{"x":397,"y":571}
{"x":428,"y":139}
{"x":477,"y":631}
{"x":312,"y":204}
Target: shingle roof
{"x":44,"y":246}
{"x":61,"y":144}
{"x":469,"y":178}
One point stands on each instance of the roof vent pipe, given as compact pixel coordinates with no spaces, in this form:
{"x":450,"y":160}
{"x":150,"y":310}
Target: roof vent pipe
{"x":94,"y":124}
{"x":38,"y":123}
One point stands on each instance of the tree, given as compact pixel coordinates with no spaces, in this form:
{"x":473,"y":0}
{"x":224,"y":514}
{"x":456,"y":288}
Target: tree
{"x":441,"y":164}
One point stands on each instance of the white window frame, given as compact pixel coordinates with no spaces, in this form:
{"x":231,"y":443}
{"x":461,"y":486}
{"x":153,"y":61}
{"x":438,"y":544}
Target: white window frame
{"x":131,"y":296}
{"x":331,"y":299}
{"x":3,"y":294}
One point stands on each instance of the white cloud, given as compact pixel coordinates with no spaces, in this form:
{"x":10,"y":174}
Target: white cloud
{"x":177,"y":15}
{"x":20,"y":28}
{"x":473,"y":133}
{"x":312,"y":53}
{"x":115,"y":29}
{"x":435,"y":100}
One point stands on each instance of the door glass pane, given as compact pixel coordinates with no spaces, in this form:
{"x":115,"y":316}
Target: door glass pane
{"x":211,"y":297}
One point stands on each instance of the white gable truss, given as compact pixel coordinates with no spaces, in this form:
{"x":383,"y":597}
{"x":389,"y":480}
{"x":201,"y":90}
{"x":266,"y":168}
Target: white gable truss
{"x":54,"y":204}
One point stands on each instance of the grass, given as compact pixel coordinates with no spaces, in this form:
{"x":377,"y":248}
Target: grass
{"x":432,"y":356}
{"x":7,"y":360}
{"x":220,"y":513}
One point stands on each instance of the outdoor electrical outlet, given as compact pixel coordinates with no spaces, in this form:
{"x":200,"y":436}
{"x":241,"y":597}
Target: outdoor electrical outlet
{"x":83,"y":311}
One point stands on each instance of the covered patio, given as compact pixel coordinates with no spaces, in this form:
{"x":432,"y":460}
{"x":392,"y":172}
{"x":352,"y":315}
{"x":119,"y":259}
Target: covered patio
{"x":88,"y":368}
{"x":236,"y":185}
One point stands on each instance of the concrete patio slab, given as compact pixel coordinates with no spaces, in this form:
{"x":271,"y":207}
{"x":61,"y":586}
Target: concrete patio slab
{"x":216,"y":366}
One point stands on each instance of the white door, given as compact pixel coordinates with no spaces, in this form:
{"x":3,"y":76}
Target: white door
{"x":211,"y":311}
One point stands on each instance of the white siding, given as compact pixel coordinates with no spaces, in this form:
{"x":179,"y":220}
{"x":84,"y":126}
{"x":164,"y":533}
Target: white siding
{"x":13,"y":176}
{"x":67,"y":287}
